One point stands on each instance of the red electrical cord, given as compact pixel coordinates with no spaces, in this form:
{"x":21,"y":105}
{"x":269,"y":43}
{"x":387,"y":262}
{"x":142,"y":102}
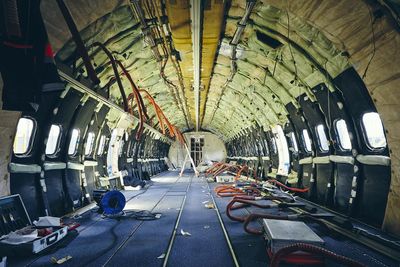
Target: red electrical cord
{"x":159,"y":113}
{"x":254,"y":216}
{"x":278,"y":256}
{"x":250,"y":202}
{"x":116,"y":74}
{"x":139,"y":101}
{"x":293,"y":189}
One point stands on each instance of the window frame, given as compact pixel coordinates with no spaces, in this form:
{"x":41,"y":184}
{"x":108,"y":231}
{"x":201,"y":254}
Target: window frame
{"x":365,"y":133}
{"x":338,"y":136}
{"x":274,"y":146}
{"x":57,"y":146}
{"x":28,"y":151}
{"x":101,"y":146}
{"x":304,"y":143}
{"x":293,"y":140}
{"x":319,"y":141}
{"x":91,"y":144}
{"x":76,"y":143}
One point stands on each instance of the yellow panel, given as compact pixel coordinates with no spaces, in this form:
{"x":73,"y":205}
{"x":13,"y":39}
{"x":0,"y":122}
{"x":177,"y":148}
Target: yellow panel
{"x":212,"y":26}
{"x":179,"y":18}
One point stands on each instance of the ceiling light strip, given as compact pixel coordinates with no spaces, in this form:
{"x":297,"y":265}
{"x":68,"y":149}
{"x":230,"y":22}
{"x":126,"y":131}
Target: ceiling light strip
{"x":195,"y":14}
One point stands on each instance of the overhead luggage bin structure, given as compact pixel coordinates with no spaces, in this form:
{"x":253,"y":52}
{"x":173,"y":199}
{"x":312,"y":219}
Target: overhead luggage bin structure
{"x":192,"y":133}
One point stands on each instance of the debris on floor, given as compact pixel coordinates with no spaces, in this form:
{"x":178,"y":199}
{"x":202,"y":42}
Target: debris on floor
{"x":210,"y":206}
{"x":162,"y":256}
{"x":185,"y":233}
{"x":47,"y":221}
{"x":61,"y":260}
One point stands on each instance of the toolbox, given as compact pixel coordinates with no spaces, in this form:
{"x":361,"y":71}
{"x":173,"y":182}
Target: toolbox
{"x":13,"y":216}
{"x":281,"y":233}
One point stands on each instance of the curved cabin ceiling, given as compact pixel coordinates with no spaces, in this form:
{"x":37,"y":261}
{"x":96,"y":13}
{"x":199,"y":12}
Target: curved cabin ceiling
{"x":274,"y":65}
{"x":286,"y":49}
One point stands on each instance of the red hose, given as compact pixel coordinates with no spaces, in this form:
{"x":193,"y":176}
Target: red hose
{"x":277,"y":257}
{"x":255,"y":216}
{"x":116,"y":74}
{"x":139,"y":100}
{"x":293,"y":189}
{"x":230,"y":207}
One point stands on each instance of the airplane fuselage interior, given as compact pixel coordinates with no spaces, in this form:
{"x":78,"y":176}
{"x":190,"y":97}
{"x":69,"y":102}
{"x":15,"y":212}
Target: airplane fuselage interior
{"x":200,"y":133}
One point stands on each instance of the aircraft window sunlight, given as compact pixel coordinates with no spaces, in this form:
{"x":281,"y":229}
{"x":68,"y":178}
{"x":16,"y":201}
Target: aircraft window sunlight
{"x":23,"y":137}
{"x":307,"y":140}
{"x":273,"y":145}
{"x":89,"y":143}
{"x":283,"y":151}
{"x":73,"y":143}
{"x":53,"y":140}
{"x":374,"y":130}
{"x":102,"y":143}
{"x":294,"y":142}
{"x":343,"y":134}
{"x":323,"y":141}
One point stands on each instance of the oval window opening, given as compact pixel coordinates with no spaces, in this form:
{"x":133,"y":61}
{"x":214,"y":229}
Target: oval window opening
{"x":74,"y":142}
{"x":102,"y":143}
{"x":53,"y":140}
{"x":323,"y":141}
{"x":306,"y":140}
{"x":374,"y":132}
{"x":24,"y":136}
{"x":343,"y":135}
{"x":89,"y":143}
{"x":294,"y":142}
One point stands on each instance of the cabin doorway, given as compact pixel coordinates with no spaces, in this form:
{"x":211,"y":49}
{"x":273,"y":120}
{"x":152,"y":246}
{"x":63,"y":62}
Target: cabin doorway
{"x":196,"y":149}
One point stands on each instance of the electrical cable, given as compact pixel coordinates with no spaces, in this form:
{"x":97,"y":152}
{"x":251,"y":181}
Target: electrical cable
{"x":292,"y":189}
{"x":141,"y":215}
{"x":116,"y":73}
{"x":373,"y":42}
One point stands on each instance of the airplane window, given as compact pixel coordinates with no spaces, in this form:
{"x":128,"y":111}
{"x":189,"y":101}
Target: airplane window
{"x":102,"y":144}
{"x":374,"y":130}
{"x":73,"y":143}
{"x":129,"y":149}
{"x":294,"y":142}
{"x":121,"y":147}
{"x":24,"y":136}
{"x":323,"y":141}
{"x":343,"y":134}
{"x":283,"y":151}
{"x":273,"y":145}
{"x":53,"y":139}
{"x":306,"y":140}
{"x":89,"y":143}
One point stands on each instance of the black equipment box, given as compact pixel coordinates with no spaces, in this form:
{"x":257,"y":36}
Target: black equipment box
{"x":13,"y":216}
